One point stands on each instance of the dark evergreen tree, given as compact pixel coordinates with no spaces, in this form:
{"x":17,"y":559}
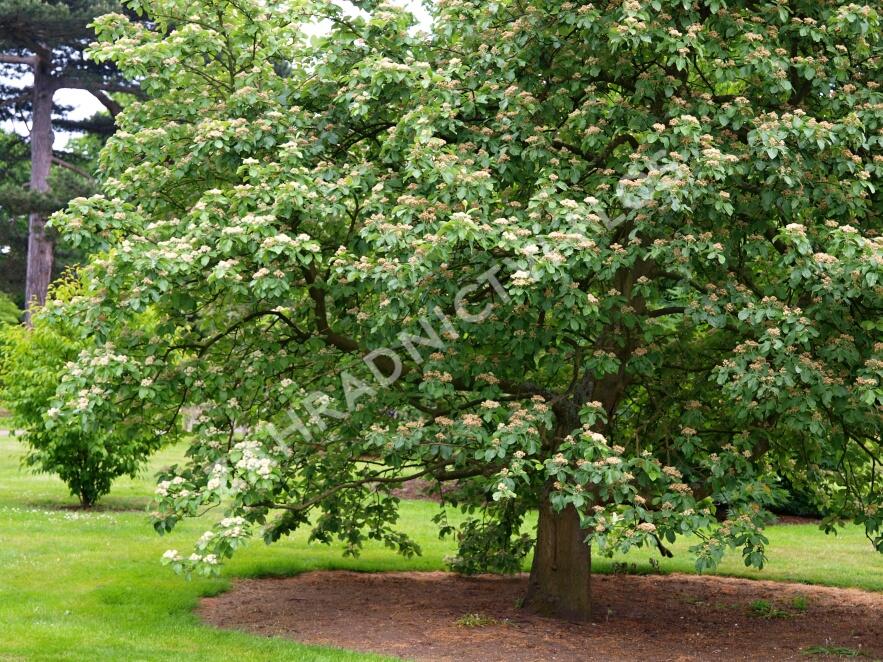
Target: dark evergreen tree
{"x":17,"y":202}
{"x":42,"y":51}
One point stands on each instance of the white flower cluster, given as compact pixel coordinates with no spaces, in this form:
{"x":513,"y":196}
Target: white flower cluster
{"x":232,"y":527}
{"x":252,"y":459}
{"x":165,"y":487}
{"x":172,"y":556}
{"x":596,"y":437}
{"x":217,"y":477}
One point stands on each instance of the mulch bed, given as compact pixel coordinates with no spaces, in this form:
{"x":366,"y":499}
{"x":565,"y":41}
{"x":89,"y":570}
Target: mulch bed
{"x":420,"y":616}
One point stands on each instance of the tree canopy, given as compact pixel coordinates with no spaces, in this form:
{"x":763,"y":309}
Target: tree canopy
{"x":618,"y":262}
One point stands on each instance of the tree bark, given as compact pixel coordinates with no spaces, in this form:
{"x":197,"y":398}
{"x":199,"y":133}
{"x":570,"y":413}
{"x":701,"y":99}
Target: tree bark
{"x":40,"y":244}
{"x":560,"y":575}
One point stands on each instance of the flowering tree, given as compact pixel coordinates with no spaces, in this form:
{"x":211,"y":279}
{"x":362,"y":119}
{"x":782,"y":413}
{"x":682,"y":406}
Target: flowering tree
{"x":615,"y":262}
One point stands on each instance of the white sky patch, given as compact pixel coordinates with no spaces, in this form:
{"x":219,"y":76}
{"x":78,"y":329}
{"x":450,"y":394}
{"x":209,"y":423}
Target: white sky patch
{"x":416,"y":7}
{"x":81,"y":102}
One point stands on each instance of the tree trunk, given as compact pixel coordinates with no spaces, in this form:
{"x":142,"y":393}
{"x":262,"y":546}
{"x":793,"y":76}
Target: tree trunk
{"x":561,"y":569}
{"x":40,"y":245}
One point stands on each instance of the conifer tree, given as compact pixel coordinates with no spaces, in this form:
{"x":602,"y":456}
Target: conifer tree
{"x":42,"y":48}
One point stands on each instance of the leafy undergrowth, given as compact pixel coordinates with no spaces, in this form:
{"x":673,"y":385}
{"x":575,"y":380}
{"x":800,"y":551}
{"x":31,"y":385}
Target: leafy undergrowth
{"x":88,"y":584}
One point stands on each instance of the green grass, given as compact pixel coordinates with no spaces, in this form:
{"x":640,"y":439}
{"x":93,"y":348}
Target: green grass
{"x":478,"y":621}
{"x":832,"y":651}
{"x":88,"y":585}
{"x":766,"y":609}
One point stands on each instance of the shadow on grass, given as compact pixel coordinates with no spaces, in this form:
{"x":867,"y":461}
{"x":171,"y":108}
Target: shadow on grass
{"x":114,"y":506}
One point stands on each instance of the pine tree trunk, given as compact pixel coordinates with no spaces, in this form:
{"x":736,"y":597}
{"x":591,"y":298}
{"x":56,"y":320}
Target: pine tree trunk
{"x":40,"y":245}
{"x":561,"y":570}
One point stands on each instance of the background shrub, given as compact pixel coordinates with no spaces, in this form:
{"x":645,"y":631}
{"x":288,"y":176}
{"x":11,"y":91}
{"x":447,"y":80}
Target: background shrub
{"x":32,"y":363}
{"x":798,"y":502}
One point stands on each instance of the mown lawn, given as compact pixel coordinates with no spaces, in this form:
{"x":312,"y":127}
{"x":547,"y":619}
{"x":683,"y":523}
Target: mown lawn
{"x":88,"y":586}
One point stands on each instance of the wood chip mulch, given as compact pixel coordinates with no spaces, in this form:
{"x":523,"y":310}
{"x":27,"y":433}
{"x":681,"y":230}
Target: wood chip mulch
{"x":440,"y":616}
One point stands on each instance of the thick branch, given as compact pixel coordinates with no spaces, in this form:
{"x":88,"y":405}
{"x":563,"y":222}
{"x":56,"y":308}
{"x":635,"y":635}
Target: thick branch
{"x":95,"y":86}
{"x":597,"y":159}
{"x":16,"y":99}
{"x":30,"y":60}
{"x":667,"y":310}
{"x":100,"y":124}
{"x":437,"y":472}
{"x":72,"y":168}
{"x":107,"y":101}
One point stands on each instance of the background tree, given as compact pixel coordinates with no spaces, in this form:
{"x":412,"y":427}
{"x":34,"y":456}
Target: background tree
{"x":17,"y":201}
{"x":43,"y":43}
{"x":14,"y":169}
{"x":616,"y":262}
